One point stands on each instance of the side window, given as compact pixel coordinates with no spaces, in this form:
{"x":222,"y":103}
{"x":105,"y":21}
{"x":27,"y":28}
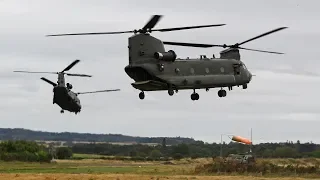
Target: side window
{"x":244,"y":66}
{"x":177,"y":70}
{"x":236,"y":69}
{"x":192,"y":70}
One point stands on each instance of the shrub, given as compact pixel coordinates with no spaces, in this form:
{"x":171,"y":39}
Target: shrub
{"x":64,"y":153}
{"x":264,"y":168}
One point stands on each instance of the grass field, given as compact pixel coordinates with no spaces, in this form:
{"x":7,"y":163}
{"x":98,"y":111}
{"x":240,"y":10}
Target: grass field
{"x":93,"y":168}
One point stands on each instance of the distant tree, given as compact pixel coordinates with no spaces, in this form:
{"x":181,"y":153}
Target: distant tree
{"x":285,"y":152}
{"x":155,"y":154}
{"x":133,"y":153}
{"x":316,"y":154}
{"x":177,"y":156}
{"x":182,"y":149}
{"x":267,"y":153}
{"x":64,"y":153}
{"x":164,"y":142}
{"x":142,"y":154}
{"x":23,"y":151}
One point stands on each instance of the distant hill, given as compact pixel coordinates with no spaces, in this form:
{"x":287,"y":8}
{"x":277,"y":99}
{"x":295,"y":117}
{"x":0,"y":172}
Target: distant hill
{"x":25,"y":134}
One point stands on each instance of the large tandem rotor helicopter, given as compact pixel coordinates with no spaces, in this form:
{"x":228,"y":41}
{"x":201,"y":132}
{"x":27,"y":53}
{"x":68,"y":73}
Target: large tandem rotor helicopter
{"x":62,"y":94}
{"x":155,"y":69}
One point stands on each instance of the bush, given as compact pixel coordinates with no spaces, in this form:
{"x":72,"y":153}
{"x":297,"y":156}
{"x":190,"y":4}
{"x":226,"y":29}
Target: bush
{"x":177,"y":156}
{"x":64,"y":153}
{"x":264,"y":168}
{"x":23,"y":151}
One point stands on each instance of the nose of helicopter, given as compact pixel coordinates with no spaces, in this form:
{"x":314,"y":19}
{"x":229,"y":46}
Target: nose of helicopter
{"x":250,"y":76}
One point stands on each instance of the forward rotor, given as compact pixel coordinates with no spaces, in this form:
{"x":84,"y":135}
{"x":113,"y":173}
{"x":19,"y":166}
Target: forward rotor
{"x":62,"y":72}
{"x":148,"y":28}
{"x":236,"y":46}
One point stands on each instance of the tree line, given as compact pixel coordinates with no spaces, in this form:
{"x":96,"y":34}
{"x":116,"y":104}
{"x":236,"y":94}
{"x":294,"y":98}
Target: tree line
{"x":31,"y":151}
{"x":23,"y":151}
{"x":25,"y":134}
{"x":200,"y":149}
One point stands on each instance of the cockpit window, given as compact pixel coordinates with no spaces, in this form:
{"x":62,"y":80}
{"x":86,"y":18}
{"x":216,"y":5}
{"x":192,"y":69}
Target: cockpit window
{"x":244,"y":66}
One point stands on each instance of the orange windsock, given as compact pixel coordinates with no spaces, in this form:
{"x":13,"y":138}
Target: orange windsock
{"x":241,"y":139}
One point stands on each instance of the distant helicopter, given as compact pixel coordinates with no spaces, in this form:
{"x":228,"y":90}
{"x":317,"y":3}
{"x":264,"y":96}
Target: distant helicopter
{"x":62,"y":94}
{"x":155,"y":69}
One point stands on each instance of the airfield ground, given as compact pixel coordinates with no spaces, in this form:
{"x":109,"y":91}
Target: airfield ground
{"x":93,"y":168}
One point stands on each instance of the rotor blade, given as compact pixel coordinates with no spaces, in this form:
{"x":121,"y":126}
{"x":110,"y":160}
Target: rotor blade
{"x":97,"y":33}
{"x":191,"y":44}
{"x":212,"y":45}
{"x":108,"y":90}
{"x":264,"y":34}
{"x":71,"y":65}
{"x":152,"y":22}
{"x":48,"y":81}
{"x":80,"y":75}
{"x":36,"y":72}
{"x":187,"y":27}
{"x":260,"y":50}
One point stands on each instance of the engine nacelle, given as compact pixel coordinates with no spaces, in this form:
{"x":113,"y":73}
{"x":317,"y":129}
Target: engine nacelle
{"x":69,"y":86}
{"x":166,"y":56}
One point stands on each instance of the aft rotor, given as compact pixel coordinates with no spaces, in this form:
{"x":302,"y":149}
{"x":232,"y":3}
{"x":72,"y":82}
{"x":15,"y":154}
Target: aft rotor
{"x":234,"y":46}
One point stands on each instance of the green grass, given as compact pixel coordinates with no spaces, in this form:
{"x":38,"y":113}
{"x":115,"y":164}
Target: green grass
{"x":91,"y":167}
{"x":92,"y":164}
{"x":88,"y":156}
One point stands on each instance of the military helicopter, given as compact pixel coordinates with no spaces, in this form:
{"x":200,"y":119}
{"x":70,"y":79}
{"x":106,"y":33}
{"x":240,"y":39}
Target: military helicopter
{"x":155,"y":69}
{"x":62,"y":94}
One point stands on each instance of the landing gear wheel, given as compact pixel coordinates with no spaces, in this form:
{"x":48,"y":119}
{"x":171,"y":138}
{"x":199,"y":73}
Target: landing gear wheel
{"x":62,"y":111}
{"x":141,"y":95}
{"x":207,"y":89}
{"x":170,"y":92}
{"x":245,"y":86}
{"x":222,"y":93}
{"x":195,"y":96}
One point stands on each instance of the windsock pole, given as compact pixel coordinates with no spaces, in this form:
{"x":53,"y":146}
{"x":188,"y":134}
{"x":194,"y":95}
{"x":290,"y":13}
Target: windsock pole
{"x":221,"y":146}
{"x":251,"y":141}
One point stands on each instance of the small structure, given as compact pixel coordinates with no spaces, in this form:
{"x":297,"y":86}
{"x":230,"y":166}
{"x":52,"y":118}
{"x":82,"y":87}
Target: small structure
{"x":247,"y":159}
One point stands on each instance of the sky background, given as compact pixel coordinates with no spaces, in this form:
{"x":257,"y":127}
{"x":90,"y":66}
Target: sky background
{"x":280,"y":104}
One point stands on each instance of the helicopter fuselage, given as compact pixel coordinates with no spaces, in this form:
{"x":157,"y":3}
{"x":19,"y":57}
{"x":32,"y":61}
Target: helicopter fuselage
{"x":188,"y":74}
{"x":155,"y":69}
{"x":66,"y":99}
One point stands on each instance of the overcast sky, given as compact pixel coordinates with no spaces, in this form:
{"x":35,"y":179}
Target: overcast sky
{"x":281,"y":102}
